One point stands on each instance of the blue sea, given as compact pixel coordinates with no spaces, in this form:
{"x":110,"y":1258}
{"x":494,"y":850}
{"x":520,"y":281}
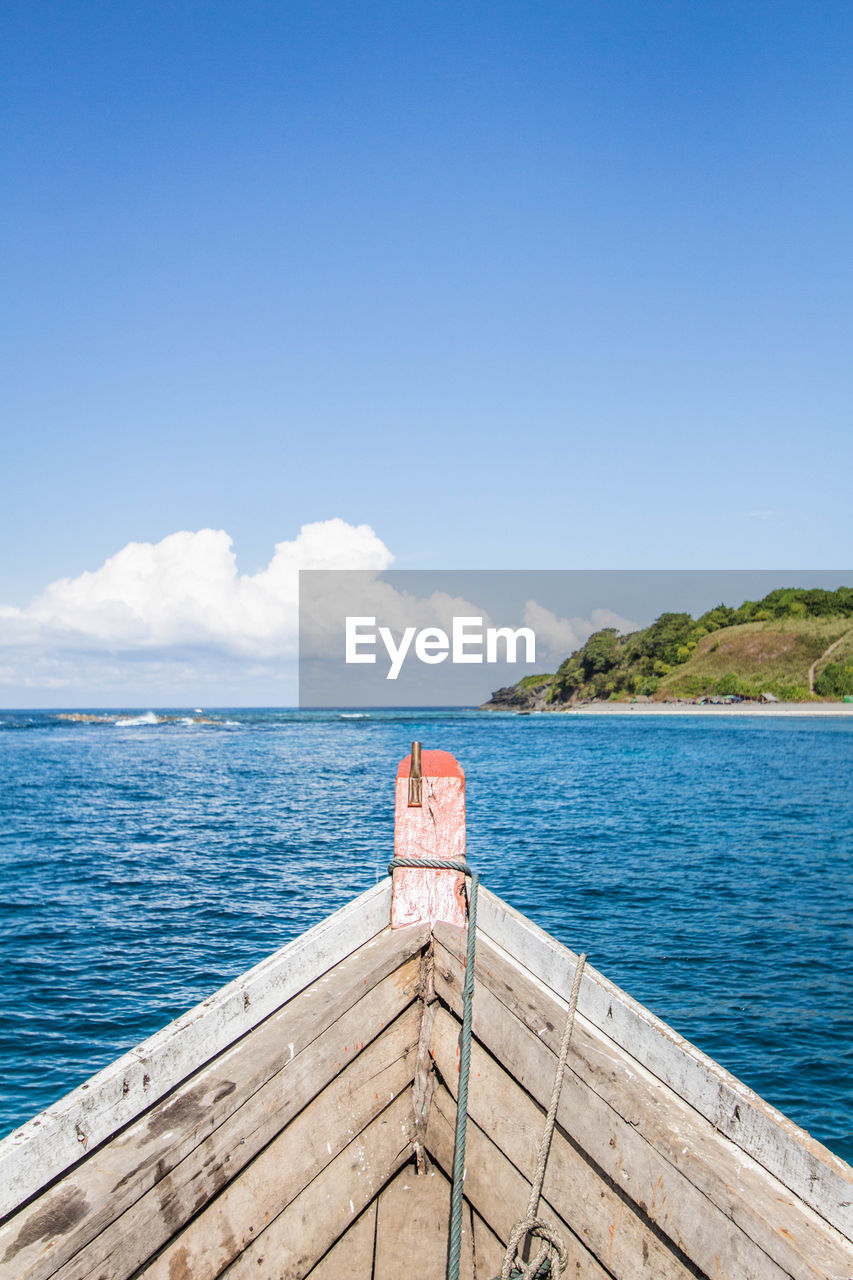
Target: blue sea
{"x":703,"y":864}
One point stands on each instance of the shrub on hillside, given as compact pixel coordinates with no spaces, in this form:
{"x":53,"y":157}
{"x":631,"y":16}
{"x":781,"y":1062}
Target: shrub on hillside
{"x":693,"y":686}
{"x":836,"y":680}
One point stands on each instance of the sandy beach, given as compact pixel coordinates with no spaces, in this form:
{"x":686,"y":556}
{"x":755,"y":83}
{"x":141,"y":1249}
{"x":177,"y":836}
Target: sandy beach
{"x":775,"y":709}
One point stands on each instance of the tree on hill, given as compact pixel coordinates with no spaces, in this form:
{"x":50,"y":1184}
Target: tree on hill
{"x":662,"y":640}
{"x":720,"y":616}
{"x":600,"y":653}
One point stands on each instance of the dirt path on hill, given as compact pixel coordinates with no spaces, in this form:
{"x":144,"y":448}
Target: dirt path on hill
{"x":825,"y":654}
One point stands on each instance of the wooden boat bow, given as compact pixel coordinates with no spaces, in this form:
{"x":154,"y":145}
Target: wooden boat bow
{"x":301,"y":1121}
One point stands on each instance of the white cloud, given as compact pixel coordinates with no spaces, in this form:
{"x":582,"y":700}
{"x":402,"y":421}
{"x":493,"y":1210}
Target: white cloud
{"x":557,"y":637}
{"x":177,"y":621}
{"x":602,"y":618}
{"x":186,"y":592}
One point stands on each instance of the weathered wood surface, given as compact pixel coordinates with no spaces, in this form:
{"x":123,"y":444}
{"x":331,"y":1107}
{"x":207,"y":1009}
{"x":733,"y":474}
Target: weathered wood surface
{"x":309,"y":1226}
{"x":42,"y":1149}
{"x":608,"y":1223}
{"x":722,"y":1209}
{"x":230,"y":1221}
{"x":252,"y":1089}
{"x":810,"y":1170}
{"x":424,"y":1081}
{"x":351,"y":1258}
{"x":489,"y":1251}
{"x":435,"y":829}
{"x":494,"y":1187}
{"x":173,"y":1202}
{"x":412,"y":1228}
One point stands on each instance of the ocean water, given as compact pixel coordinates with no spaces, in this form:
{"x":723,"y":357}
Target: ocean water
{"x":703,"y":864}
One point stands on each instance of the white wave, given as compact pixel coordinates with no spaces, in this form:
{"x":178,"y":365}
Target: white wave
{"x":132,"y":722}
{"x":354,"y":715}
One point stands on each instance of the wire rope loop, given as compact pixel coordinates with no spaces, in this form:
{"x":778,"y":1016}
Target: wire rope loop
{"x":430,"y":864}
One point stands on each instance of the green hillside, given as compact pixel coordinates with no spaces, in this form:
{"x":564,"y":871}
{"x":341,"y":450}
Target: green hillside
{"x":759,"y":657}
{"x":795,"y":644}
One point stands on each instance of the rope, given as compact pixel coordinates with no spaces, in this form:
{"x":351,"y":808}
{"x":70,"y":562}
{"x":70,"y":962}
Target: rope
{"x":552,"y":1251}
{"x":551,"y":1259}
{"x":454,"y":1246}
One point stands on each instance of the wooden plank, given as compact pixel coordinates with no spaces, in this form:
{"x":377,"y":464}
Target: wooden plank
{"x":261,"y":1082}
{"x":225,"y":1223}
{"x":351,"y":1258}
{"x":414,"y":1215}
{"x":494,"y":1187}
{"x":820,"y":1178}
{"x":699,"y":1188}
{"x":607,"y":1222}
{"x":53,"y":1142}
{"x":433,"y":829}
{"x":152,"y":1221}
{"x":292,"y":1243}
{"x":489,"y":1251}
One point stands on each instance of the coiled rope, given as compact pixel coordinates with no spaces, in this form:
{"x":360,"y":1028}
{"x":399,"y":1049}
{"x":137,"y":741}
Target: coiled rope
{"x":551,"y":1258}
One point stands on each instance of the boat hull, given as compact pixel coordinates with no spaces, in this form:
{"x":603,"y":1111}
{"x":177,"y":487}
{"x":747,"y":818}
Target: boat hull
{"x":274,"y":1131}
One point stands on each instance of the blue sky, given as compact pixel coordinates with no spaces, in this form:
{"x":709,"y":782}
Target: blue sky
{"x":516,"y":286}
